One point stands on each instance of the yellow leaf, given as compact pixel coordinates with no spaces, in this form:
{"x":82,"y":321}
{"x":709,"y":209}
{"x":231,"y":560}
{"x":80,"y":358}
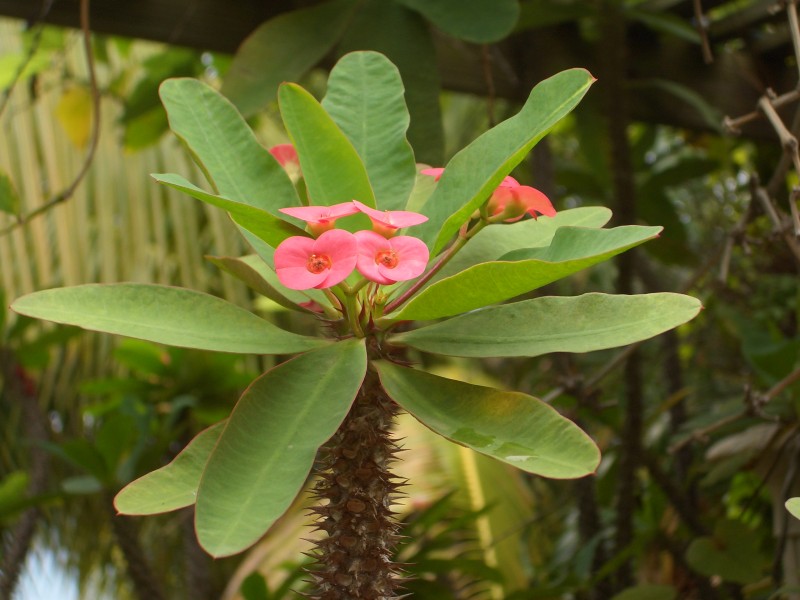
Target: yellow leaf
{"x":74,"y":112}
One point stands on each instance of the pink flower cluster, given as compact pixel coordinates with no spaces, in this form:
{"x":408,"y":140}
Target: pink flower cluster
{"x":379,"y":255}
{"x":511,"y":199}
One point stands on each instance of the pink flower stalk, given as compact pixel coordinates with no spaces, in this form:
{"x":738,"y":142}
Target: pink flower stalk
{"x":515,"y":200}
{"x":435,"y":172}
{"x":388,"y":261}
{"x":387,"y":222}
{"x":320,"y":218}
{"x":303,"y":263}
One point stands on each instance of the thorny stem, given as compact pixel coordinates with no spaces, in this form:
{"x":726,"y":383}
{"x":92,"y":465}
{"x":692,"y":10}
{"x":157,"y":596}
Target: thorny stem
{"x":358,"y":489}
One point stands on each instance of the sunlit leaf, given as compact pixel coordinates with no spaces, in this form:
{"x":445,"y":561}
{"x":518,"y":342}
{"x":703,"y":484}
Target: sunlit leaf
{"x":74,"y":112}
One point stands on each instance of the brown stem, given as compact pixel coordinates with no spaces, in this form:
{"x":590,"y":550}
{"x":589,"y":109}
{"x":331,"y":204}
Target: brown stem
{"x":358,"y":489}
{"x":145,"y":582}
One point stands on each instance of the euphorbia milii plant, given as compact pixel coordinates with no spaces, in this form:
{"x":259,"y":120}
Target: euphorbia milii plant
{"x":386,"y":283}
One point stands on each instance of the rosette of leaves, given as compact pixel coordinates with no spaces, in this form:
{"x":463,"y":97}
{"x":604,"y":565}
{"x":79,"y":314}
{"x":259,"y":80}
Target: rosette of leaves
{"x":340,"y":390}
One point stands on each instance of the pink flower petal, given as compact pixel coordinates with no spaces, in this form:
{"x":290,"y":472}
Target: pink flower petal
{"x":516,"y":200}
{"x":535,"y":201}
{"x":390,"y":219}
{"x":435,"y":172}
{"x":369,"y":245}
{"x":320,"y":218}
{"x":320,"y":214}
{"x":387,"y":261}
{"x":302,"y":263}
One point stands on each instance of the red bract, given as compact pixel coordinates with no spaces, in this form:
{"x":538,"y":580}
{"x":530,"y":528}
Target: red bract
{"x":303,"y":263}
{"x":286,"y":155}
{"x":387,"y":222}
{"x":515,"y":200}
{"x":388,"y":261}
{"x":321,"y":218}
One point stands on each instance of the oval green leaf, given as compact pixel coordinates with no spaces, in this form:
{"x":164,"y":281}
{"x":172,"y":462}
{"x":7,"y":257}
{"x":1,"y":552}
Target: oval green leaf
{"x":512,"y":427}
{"x":554,"y":324}
{"x":173,"y":486}
{"x":365,"y":98}
{"x":268,"y":447}
{"x":571,"y":249}
{"x":405,"y":38}
{"x":473,"y":173}
{"x":793,"y":506}
{"x":235,"y":163}
{"x":166,"y":315}
{"x":332,"y":169}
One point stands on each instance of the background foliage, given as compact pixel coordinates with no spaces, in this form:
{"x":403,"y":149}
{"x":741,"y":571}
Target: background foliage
{"x":698,"y":428}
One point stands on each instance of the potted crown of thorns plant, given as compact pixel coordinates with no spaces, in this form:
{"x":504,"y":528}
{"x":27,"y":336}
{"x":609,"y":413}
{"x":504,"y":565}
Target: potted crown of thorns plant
{"x":392,"y":262}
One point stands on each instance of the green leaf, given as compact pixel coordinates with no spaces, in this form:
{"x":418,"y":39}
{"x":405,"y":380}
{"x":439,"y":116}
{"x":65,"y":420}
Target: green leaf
{"x":471,"y":20}
{"x":495,"y":241}
{"x":473,"y":173}
{"x":332,"y":169}
{"x":236,"y":165}
{"x":254,"y":587}
{"x":283,"y":49}
{"x":572,"y":249}
{"x":405,"y":38}
{"x":173,"y":486}
{"x":793,"y":506}
{"x":253,"y":271}
{"x":731,"y":553}
{"x":269,"y":445}
{"x":13,"y":490}
{"x":167,"y":315}
{"x":365,"y":99}
{"x":9,"y":199}
{"x":512,"y":427}
{"x":554,"y":324}
{"x":260,"y":223}
{"x":242,"y":270}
